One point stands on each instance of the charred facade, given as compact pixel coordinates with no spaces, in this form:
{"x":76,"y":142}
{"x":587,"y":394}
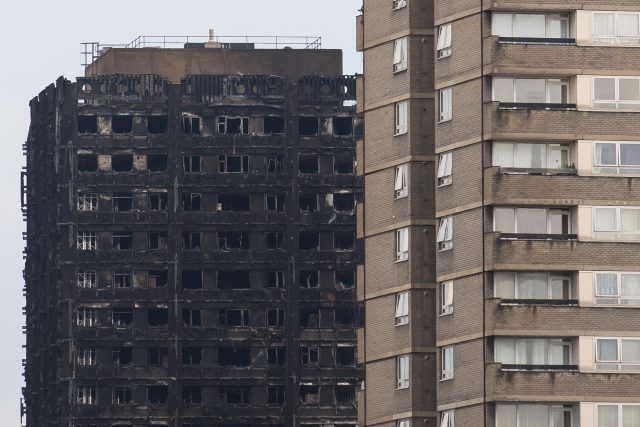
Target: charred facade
{"x":191,"y":252}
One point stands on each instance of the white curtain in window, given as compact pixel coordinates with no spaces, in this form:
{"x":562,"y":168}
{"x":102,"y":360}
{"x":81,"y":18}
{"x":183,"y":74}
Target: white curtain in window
{"x":606,"y":284}
{"x":504,"y":220}
{"x":533,"y":416}
{"x":629,"y":154}
{"x":402,"y":304}
{"x":630,"y":220}
{"x":447,"y":290}
{"x":607,"y":415}
{"x":630,"y":416}
{"x":401,"y":177}
{"x":505,"y":349}
{"x":506,"y":415}
{"x":531,"y":221}
{"x":447,"y":359}
{"x":604,"y":24}
{"x":400,"y":51}
{"x":445,"y":103}
{"x":605,"y":219}
{"x":628,"y":24}
{"x":530,"y":155}
{"x":444,"y":166}
{"x":604,"y":88}
{"x":531,"y":90}
{"x":629,"y":89}
{"x":503,"y":89}
{"x":445,"y":419}
{"x":503,"y":154}
{"x":444,"y":36}
{"x":630,"y":285}
{"x":530,"y":25}
{"x":504,"y":285}
{"x":607,"y":350}
{"x":630,"y":351}
{"x":502,"y":24}
{"x":403,"y":368}
{"x":445,"y":231}
{"x":531,"y":351}
{"x":532,"y":286}
{"x":605,"y":154}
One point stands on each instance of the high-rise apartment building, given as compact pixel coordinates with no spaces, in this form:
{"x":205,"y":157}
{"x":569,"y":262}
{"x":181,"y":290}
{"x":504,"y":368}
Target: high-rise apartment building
{"x":531,"y":315}
{"x":191,"y":247}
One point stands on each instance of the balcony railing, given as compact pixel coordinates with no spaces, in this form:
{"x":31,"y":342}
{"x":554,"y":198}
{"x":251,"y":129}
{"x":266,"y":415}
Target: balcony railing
{"x":536,"y":40}
{"x":527,"y":236}
{"x":540,"y":368}
{"x":537,"y":171}
{"x":537,"y":106}
{"x":543,"y":302}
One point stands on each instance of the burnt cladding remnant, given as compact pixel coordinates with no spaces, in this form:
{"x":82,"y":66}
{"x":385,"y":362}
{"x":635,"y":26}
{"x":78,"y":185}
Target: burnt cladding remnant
{"x":191,"y":252}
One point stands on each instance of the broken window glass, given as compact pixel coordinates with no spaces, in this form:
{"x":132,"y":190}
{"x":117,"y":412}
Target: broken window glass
{"x":345,"y":279}
{"x":158,"y":201}
{"x":233,"y":280}
{"x":191,"y":394}
{"x":229,"y":240}
{"x":234,"y":356}
{"x":87,"y":124}
{"x":234,"y":202}
{"x":122,"y":124}
{"x":309,"y":356}
{"x":343,"y":164}
{"x":308,"y":126}
{"x":274,"y":202}
{"x":122,"y":356}
{"x":191,"y":355}
{"x":343,"y":126}
{"x":343,"y":241}
{"x":273,"y":125}
{"x":309,"y":279}
{"x":87,"y":202}
{"x":157,"y":124}
{"x":157,"y":278}
{"x":122,"y":202}
{"x":308,"y":202}
{"x":121,"y":162}
{"x":157,"y":394}
{"x":191,"y":124}
{"x":191,"y":240}
{"x":308,"y":163}
{"x":191,"y":164}
{"x":275,"y":317}
{"x":309,"y":240}
{"x":191,"y":202}
{"x":158,"y":317}
{"x":122,"y":317}
{"x":234,"y":317}
{"x":276,"y":356}
{"x":87,"y":162}
{"x":158,"y":240}
{"x":191,"y":317}
{"x":274,"y":240}
{"x":87,"y":241}
{"x":122,"y":279}
{"x":275,"y":279}
{"x":191,"y":279}
{"x":233,"y":164}
{"x":157,"y":356}
{"x":157,"y":162}
{"x":86,"y":279}
{"x":275,"y":164}
{"x":233,"y":125}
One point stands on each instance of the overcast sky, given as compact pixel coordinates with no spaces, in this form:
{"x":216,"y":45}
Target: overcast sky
{"x":41,"y":41}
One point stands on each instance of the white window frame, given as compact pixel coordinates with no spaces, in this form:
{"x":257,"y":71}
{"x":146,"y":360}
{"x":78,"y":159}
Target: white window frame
{"x":549,"y":18}
{"x":402,"y":308}
{"x":403,"y":371}
{"x":550,"y":345}
{"x":551,"y":411}
{"x":401,"y":118}
{"x":447,"y":418}
{"x":446,"y":298}
{"x":549,"y":83}
{"x":615,"y":365}
{"x":399,"y":4}
{"x":620,"y":413}
{"x":616,"y":38}
{"x":402,"y":244}
{"x":616,"y":102}
{"x":401,"y":183}
{"x":404,"y":423}
{"x":400,"y":54}
{"x":86,"y":356}
{"x":86,"y":395}
{"x":87,"y":241}
{"x":618,"y":168}
{"x":550,"y":212}
{"x":549,"y":149}
{"x":445,"y":104}
{"x":618,"y":235}
{"x":86,"y":279}
{"x":443,"y":46}
{"x":87,"y":202}
{"x":445,"y":233}
{"x":516,"y":275}
{"x":86,"y":317}
{"x":618,"y":298}
{"x":448,"y":358}
{"x":445,"y":166}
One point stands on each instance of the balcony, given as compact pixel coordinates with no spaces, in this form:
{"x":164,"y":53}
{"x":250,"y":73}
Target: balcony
{"x":539,"y":368}
{"x":537,"y":41}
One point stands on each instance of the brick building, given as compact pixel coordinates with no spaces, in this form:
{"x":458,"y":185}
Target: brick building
{"x":191,"y":247}
{"x":501,"y":159}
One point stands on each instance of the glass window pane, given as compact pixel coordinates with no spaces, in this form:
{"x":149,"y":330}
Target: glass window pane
{"x":506,"y":416}
{"x":607,"y":350}
{"x":630,"y":154}
{"x":630,"y":351}
{"x":604,"y":24}
{"x":503,"y":89}
{"x":503,"y":154}
{"x":533,"y":416}
{"x":501,"y":24}
{"x":505,"y":350}
{"x":630,"y":285}
{"x":630,"y":416}
{"x":532,"y":286}
{"x":557,"y":26}
{"x":531,"y":90}
{"x":531,"y":221}
{"x":504,"y":220}
{"x":628,"y":24}
{"x":605,"y":219}
{"x":558,"y":92}
{"x":605,"y":154}
{"x":604,"y":89}
{"x":630,"y":220}
{"x":560,"y":287}
{"x":530,"y":25}
{"x":504,"y":284}
{"x":629,"y":89}
{"x":607,"y":415}
{"x":606,"y":284}
{"x":532,"y":351}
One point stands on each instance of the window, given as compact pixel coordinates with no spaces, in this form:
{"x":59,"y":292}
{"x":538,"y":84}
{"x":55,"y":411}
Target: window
{"x":530,"y":25}
{"x":122,"y":356}
{"x":235,"y":395}
{"x":157,"y":124}
{"x":622,"y":158}
{"x":157,"y":394}
{"x":122,"y":396}
{"x":273,"y":125}
{"x":87,"y":124}
{"x":445,"y":233}
{"x":191,"y":279}
{"x":274,"y":241}
{"x":87,"y":202}
{"x":234,"y":317}
{"x":190,"y":124}
{"x":122,"y":240}
{"x":276,"y":317}
{"x":445,"y":104}
{"x":122,"y":202}
{"x":231,"y":240}
{"x":274,"y":164}
{"x":234,"y":202}
{"x":191,"y":240}
{"x":158,"y":240}
{"x":233,"y":164}
{"x":274,"y":202}
{"x":122,"y":124}
{"x":444,"y":169}
{"x":402,"y":117}
{"x":617,"y":288}
{"x":308,"y":164}
{"x":531,"y":156}
{"x":157,"y":278}
{"x":618,"y":354}
{"x":309,"y":394}
{"x":511,"y":415}
{"x":530,"y":91}
{"x":86,"y":395}
{"x":612,"y":415}
{"x":532,"y":351}
{"x":622,"y":28}
{"x":191,"y":317}
{"x":121,"y":162}
{"x":447,"y":419}
{"x":309,"y":279}
{"x":191,"y":202}
{"x":401,"y":186}
{"x":309,"y":356}
{"x":402,"y":372}
{"x":191,"y":394}
{"x":86,"y":279}
{"x":191,"y":355}
{"x":157,"y":162}
{"x":158,"y":201}
{"x":616,"y":223}
{"x":122,"y":279}
{"x":275,"y":279}
{"x":532,"y":285}
{"x":276,"y":356}
{"x":444,"y":41}
{"x":157,"y":356}
{"x":86,"y":356}
{"x":403,"y":423}
{"x":402,"y":308}
{"x":446,"y":297}
{"x":447,"y":363}
{"x":399,"y":4}
{"x":532,"y":220}
{"x":402,"y":244}
{"x":616,"y":93}
{"x":87,"y":241}
{"x":87,"y":162}
{"x":191,"y":164}
{"x":86,"y":317}
{"x":233,"y":125}
{"x":275,"y":395}
{"x":400,"y":54}
{"x":122,"y":317}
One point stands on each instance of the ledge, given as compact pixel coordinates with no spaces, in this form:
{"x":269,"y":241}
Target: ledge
{"x":538,"y":171}
{"x":536,"y":106}
{"x":539,"y":368}
{"x":536,"y":40}
{"x":526,"y":236}
{"x":540,"y":302}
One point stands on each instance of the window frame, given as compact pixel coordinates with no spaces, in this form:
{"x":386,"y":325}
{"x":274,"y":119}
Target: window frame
{"x":87,"y":241}
{"x":398,"y":4}
{"x":444,"y":39}
{"x":549,"y":148}
{"x":402,"y":244}
{"x":86,"y":356}
{"x":447,"y":358}
{"x":86,"y":317}
{"x":87,"y":202}
{"x":618,"y":364}
{"x":401,"y":182}
{"x":601,"y":168}
{"x":548,"y":19}
{"x":445,"y":169}
{"x":401,"y":118}
{"x":618,"y":297}
{"x":616,"y":38}
{"x":617,"y":102}
{"x":446,"y":298}
{"x":549,"y":211}
{"x":548,"y":81}
{"x":86,"y":279}
{"x":550,"y":278}
{"x":447,"y":418}
{"x":445,"y":233}
{"x":550,"y":344}
{"x":619,"y":410}
{"x":619,"y":235}
{"x":445,"y":99}
{"x":403,"y":372}
{"x":403,"y":308}
{"x":400,"y":54}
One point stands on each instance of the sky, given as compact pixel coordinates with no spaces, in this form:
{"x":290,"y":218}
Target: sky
{"x":40,"y":41}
